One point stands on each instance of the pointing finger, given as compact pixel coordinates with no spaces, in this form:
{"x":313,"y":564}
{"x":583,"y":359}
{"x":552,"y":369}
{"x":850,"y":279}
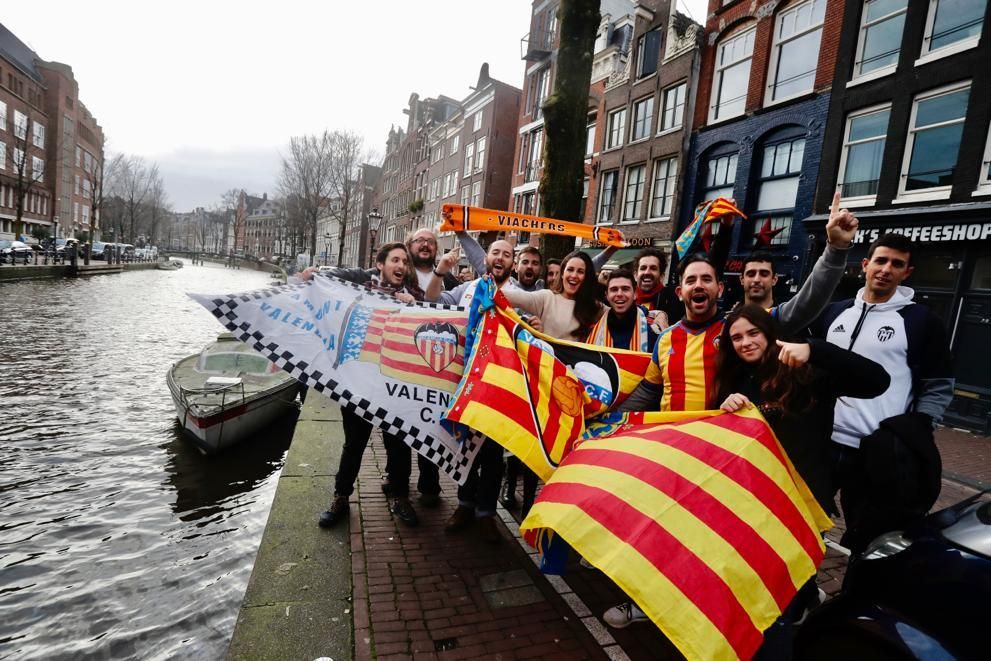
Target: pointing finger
{"x":835,"y":208}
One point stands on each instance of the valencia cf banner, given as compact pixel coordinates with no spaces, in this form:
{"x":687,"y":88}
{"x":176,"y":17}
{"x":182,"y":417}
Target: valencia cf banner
{"x":395,"y":365}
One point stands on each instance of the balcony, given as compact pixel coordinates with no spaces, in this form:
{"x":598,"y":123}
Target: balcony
{"x":536,"y":45}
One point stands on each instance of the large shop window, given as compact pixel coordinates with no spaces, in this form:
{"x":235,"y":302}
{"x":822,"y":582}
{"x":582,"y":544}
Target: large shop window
{"x":732,"y":75}
{"x":953,"y":25}
{"x":633,"y":198}
{"x":933,"y":144}
{"x":643,"y":116}
{"x":881,"y":27}
{"x":781,"y":167}
{"x":984,"y":179}
{"x":662,"y":191}
{"x":797,"y":33}
{"x":607,"y":196}
{"x":863,"y":149}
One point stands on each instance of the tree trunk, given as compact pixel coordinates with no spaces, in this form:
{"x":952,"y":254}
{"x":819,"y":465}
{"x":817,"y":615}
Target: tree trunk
{"x":565,"y":120}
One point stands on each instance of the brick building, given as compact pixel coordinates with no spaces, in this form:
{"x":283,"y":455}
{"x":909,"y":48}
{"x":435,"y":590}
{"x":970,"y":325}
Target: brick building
{"x":908,"y":144}
{"x":471,"y":154}
{"x":262,"y":222}
{"x":644,"y":83}
{"x":25,"y":132}
{"x":360,"y":243}
{"x":763,"y":95}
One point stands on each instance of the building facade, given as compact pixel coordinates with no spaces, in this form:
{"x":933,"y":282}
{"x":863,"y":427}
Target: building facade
{"x":264,"y":219}
{"x":763,"y":95}
{"x":908,"y":145}
{"x":639,"y":133}
{"x":359,"y":245}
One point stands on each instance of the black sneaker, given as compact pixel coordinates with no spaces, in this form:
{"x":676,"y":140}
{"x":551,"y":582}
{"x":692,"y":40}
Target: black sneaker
{"x":403,"y":510}
{"x":338,"y":510}
{"x":508,"y":497}
{"x":386,"y":485}
{"x":429,"y":500}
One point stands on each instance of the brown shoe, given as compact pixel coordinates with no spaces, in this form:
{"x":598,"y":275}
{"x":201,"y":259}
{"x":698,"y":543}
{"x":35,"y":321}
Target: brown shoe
{"x":461,"y":519}
{"x":488,"y":530}
{"x":337,"y":512}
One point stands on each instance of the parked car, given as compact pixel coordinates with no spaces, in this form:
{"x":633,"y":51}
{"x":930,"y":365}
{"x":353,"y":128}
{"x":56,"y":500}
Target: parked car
{"x":99,"y":247}
{"x":16,"y":249}
{"x":61,"y":245}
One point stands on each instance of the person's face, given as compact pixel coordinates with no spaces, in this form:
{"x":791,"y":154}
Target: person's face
{"x":528,"y":269}
{"x":758,"y":280}
{"x":465,"y":274}
{"x":573,"y":276}
{"x":553,"y":273}
{"x":393,"y":269}
{"x":885,"y":270}
{"x":499,"y":260}
{"x":648,"y":273}
{"x":423,"y":247}
{"x":619,"y":295}
{"x":749,"y":342}
{"x":699,"y":291}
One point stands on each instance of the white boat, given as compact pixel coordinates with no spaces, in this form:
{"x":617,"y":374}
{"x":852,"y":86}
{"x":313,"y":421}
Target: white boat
{"x":228,"y":392}
{"x":170,"y":265}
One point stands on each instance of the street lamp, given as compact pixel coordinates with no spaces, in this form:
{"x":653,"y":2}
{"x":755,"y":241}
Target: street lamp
{"x":374,"y":220}
{"x":326,"y":248}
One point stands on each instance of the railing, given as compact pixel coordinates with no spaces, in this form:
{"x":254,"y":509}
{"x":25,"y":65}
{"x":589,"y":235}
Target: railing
{"x":536,"y":45}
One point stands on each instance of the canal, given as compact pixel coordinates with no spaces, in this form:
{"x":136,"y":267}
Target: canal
{"x":118,"y":538}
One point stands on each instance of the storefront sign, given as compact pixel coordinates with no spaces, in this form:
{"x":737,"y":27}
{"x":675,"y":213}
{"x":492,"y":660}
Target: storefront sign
{"x":930,"y":233}
{"x":642,"y":242}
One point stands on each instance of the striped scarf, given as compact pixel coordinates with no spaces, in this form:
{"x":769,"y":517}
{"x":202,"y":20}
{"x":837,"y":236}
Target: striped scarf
{"x":639,"y":339}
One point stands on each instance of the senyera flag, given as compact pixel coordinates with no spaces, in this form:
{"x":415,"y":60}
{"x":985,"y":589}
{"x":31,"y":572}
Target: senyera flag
{"x":698,"y":516}
{"x":529,"y":392}
{"x":459,"y":218}
{"x":707,"y":212}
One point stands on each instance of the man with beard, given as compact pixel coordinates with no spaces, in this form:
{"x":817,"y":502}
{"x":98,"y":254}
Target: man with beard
{"x":422,"y":247}
{"x":392,"y":264}
{"x":758,"y":279}
{"x":625,"y":326}
{"x":528,"y":267}
{"x":477,"y":496}
{"x":553,"y":272}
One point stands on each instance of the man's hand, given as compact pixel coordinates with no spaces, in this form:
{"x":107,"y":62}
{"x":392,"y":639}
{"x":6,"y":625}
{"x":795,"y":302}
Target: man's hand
{"x":404,"y":297}
{"x":658,"y":319}
{"x":734,"y":403}
{"x":307,"y":274}
{"x":448,"y":261}
{"x":793,"y":354}
{"x":534,"y":323}
{"x":842,"y":225}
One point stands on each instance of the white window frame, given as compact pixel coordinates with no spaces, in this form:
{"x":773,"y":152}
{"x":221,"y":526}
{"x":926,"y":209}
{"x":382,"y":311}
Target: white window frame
{"x":672,"y":171}
{"x":928,"y":55}
{"x":679,"y":115}
{"x":469,"y":157}
{"x":455,"y":145}
{"x":649,"y":120}
{"x":477,"y":121}
{"x":38,"y":135}
{"x":480,"y":146}
{"x":20,"y":127}
{"x":858,"y":200}
{"x":862,"y":42}
{"x":778,"y":46}
{"x":984,"y":178}
{"x":642,"y":167}
{"x":751,"y":30}
{"x":599,"y":220}
{"x":590,"y":136}
{"x":936,"y":192}
{"x":3,"y":162}
{"x":3,"y":116}
{"x":476,"y":193}
{"x":620,"y":131}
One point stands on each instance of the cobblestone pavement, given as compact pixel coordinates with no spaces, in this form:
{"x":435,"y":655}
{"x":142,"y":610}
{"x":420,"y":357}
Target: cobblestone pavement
{"x":421,"y":593}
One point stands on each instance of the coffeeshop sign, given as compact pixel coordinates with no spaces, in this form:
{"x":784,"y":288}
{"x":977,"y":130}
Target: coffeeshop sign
{"x":930,"y":233}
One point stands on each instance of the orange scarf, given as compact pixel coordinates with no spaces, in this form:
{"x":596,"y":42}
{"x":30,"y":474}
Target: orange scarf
{"x":458,"y":218}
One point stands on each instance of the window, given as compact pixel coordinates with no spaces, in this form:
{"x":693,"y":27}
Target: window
{"x":38,"y":135}
{"x":79,"y":156}
{"x":781,"y":167}
{"x":469,"y":157}
{"x":581,"y":209}
{"x":455,"y":145}
{"x":590,"y":136}
{"x":479,"y":154}
{"x":78,"y":186}
{"x":435,"y":188}
{"x":797,"y":32}
{"x":953,"y":23}
{"x":454,"y":184}
{"x":720,"y":175}
{"x":476,"y":194}
{"x":934,"y":133}
{"x":648,"y":53}
{"x":674,"y":108}
{"x":633,"y":199}
{"x":617,"y":125}
{"x":662,"y":192}
{"x":20,"y":125}
{"x":19,"y":161}
{"x":3,"y":116}
{"x":607,"y":196}
{"x":533,"y":156}
{"x":983,"y":182}
{"x":446,"y":186}
{"x":3,"y":161}
{"x":643,"y":115}
{"x":732,"y":75}
{"x":537,"y":92}
{"x":465,"y":195}
{"x":881,"y":28}
{"x":477,"y":121}
{"x":863,"y":149}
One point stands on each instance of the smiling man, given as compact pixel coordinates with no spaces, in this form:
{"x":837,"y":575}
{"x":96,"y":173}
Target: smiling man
{"x":759,"y":278}
{"x":625,"y":325}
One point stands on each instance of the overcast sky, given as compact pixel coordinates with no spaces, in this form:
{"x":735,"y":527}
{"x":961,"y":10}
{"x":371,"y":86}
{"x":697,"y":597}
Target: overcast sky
{"x":212,"y":90}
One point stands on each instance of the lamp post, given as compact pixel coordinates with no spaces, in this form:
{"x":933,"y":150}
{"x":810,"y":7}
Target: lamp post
{"x":374,"y":220}
{"x":326,"y":248}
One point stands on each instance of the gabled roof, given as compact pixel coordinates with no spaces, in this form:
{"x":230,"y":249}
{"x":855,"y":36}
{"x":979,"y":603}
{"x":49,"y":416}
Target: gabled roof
{"x":19,"y":54}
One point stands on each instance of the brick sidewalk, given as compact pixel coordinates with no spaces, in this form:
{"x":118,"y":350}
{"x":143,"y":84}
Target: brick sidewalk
{"x":966,"y":456}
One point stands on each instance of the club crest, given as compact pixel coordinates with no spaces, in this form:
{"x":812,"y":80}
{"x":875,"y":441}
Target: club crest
{"x":437,"y":343}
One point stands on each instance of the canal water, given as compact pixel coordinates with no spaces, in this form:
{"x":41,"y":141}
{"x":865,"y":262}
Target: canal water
{"x":118,"y":539}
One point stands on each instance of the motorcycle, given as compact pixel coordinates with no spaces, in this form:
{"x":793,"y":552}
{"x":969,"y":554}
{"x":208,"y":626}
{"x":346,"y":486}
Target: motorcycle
{"x":923,"y":593}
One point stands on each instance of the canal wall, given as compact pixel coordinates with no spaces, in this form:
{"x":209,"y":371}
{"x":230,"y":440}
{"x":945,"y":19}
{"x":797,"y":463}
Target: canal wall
{"x":10,"y":273}
{"x":298,"y":602}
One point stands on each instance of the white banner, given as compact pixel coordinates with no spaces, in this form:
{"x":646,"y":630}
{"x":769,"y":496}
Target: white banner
{"x":395,"y":365}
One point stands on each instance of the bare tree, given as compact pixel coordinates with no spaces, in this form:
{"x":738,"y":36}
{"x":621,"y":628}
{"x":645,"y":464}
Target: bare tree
{"x":307,"y":177}
{"x":136,"y":180}
{"x":95,"y":179}
{"x":346,"y":162}
{"x":158,"y":204}
{"x":24,"y":173}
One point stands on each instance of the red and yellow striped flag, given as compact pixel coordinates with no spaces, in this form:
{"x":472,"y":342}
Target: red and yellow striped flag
{"x":706,"y":212}
{"x":701,"y":520}
{"x":532,"y":393}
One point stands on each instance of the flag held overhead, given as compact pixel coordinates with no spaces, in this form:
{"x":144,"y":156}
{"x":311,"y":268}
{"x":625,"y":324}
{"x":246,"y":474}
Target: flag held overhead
{"x":459,"y":218}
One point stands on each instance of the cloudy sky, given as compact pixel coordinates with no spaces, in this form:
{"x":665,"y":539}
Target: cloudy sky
{"x":212,"y":90}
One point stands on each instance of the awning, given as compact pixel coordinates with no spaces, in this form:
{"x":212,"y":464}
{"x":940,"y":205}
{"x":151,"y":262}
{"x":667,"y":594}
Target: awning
{"x":622,"y":257}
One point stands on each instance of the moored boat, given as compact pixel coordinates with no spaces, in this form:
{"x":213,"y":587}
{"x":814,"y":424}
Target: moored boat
{"x":170,"y":265}
{"x":227,"y":392}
